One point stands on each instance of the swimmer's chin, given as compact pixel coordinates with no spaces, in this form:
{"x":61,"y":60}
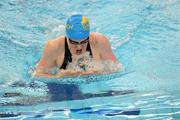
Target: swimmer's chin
{"x":78,"y":53}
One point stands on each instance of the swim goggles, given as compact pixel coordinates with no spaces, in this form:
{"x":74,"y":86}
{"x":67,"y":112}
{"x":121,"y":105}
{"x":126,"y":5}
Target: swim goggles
{"x":79,"y":43}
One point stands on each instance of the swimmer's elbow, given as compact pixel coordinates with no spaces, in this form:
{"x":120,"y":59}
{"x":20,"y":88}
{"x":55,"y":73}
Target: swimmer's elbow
{"x":120,"y":66}
{"x":45,"y":75}
{"x":36,"y":74}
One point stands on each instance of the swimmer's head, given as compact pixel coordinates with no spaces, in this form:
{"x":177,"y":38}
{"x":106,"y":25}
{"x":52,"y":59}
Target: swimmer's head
{"x":77,"y":28}
{"x":77,"y":32}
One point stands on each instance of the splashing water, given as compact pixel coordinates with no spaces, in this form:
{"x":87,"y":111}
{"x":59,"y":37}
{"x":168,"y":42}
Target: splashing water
{"x":85,"y":62}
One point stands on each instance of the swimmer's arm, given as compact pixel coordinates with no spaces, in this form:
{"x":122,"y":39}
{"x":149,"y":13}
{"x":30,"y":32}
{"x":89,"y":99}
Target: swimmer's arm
{"x":106,"y":52}
{"x":89,"y":72}
{"x":44,"y":75}
{"x":71,"y":73}
{"x":68,"y":73}
{"x":47,"y":62}
{"x":59,"y":74}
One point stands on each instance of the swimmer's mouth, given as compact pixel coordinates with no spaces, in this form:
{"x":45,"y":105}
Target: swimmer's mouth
{"x":78,"y":52}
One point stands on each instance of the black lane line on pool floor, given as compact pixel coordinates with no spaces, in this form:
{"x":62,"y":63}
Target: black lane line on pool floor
{"x":60,"y":92}
{"x":86,"y":110}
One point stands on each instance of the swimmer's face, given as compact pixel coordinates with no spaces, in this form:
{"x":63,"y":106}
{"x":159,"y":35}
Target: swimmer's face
{"x":78,"y":48}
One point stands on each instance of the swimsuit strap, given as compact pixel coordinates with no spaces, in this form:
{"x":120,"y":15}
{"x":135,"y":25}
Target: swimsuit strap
{"x":89,"y":48}
{"x":67,"y":56}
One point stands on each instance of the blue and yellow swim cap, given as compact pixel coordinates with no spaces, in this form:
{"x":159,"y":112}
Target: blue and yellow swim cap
{"x":77,"y":27}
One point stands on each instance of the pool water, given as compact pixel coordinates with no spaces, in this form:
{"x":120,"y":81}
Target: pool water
{"x":144,"y":35}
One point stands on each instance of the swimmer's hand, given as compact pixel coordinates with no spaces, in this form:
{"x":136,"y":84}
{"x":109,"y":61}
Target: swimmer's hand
{"x":68,"y":73}
{"x":65,"y":73}
{"x":93,"y":71}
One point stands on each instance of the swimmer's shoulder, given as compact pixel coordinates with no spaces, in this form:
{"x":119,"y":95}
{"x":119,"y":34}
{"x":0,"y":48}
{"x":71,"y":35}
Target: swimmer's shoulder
{"x":94,"y":36}
{"x":55,"y":45}
{"x":99,"y":38}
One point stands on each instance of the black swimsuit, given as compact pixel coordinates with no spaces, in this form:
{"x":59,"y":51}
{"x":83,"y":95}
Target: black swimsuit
{"x":68,"y":55}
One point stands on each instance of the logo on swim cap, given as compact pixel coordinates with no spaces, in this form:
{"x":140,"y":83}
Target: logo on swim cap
{"x":77,"y":27}
{"x":68,"y":26}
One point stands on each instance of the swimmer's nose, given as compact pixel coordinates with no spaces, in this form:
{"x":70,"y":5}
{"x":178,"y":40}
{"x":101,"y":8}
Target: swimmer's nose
{"x":78,"y":46}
